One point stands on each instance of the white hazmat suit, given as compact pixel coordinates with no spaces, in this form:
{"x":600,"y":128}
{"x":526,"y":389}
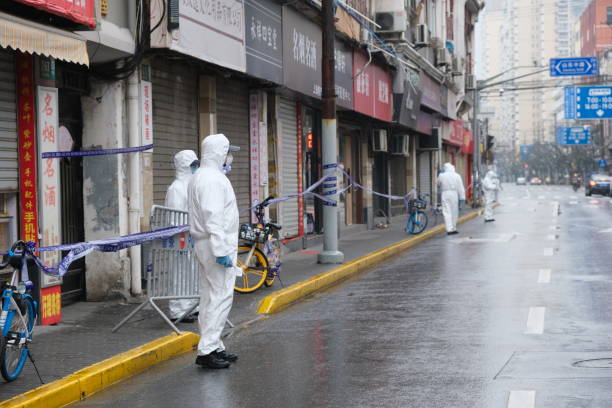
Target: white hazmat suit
{"x":176,"y":197}
{"x":452,"y":189}
{"x":213,"y":215}
{"x":490,"y":185}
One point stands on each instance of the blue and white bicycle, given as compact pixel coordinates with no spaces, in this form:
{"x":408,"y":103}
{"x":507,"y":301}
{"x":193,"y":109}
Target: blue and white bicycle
{"x":18,"y":314}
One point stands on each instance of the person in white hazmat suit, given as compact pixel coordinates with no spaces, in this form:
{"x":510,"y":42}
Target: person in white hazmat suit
{"x":490,"y":185}
{"x":453,"y":192}
{"x":186,"y":163}
{"x":213,"y":217}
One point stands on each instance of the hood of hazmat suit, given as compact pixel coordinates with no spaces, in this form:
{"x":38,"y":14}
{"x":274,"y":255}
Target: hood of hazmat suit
{"x":176,"y":196}
{"x":213,"y":218}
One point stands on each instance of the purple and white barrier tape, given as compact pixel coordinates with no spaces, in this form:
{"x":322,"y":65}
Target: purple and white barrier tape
{"x":95,"y":152}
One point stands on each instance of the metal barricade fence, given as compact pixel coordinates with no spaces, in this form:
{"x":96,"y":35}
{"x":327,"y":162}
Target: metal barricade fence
{"x":172,"y":268}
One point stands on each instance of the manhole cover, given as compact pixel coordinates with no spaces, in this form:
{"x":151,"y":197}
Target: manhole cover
{"x":594,"y":363}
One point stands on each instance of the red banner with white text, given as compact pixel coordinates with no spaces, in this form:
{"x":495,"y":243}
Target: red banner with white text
{"x":81,"y":11}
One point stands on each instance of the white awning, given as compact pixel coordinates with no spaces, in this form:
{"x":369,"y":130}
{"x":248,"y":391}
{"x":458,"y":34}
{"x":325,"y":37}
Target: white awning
{"x":34,"y":38}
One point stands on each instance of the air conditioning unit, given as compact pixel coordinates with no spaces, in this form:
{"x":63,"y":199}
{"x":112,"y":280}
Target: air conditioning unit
{"x":457,"y":66}
{"x":379,"y":140}
{"x":422,"y":35}
{"x":470,"y":82}
{"x":443,"y":57}
{"x":400,"y":145}
{"x":391,"y":16}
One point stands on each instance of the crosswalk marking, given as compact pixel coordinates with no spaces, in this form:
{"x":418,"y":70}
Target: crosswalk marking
{"x":544,"y":276}
{"x":521,"y":399}
{"x":548,"y":252}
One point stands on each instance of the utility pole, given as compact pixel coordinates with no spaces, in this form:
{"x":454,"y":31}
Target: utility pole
{"x":476,"y":135}
{"x":330,"y":253}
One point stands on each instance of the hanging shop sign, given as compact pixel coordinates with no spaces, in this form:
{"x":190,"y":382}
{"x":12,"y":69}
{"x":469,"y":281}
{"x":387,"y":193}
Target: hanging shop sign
{"x":468,"y":142}
{"x":425,"y":123}
{"x":81,"y":11}
{"x":264,"y":40}
{"x":146,"y":113}
{"x":455,"y":134}
{"x":372,"y":88}
{"x":212,"y":31}
{"x":255,"y":158}
{"x":432,"y":92}
{"x":48,"y":141}
{"x":51,"y":305}
{"x":28,"y":191}
{"x":344,"y":75}
{"x":302,"y":47}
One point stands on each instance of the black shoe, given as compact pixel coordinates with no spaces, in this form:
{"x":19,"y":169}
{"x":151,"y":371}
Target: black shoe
{"x":453,"y":232}
{"x":223,"y":355}
{"x":491,"y":220}
{"x":211,"y":361}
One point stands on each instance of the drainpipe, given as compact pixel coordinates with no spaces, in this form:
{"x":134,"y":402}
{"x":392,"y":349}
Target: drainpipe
{"x":135,"y":198}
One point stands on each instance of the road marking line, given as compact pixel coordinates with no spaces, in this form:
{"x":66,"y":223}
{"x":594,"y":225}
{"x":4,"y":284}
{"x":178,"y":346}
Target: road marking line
{"x":551,"y":237}
{"x":541,"y":197}
{"x":573,"y":202}
{"x":548,"y":252}
{"x":535,"y":320}
{"x":521,"y":399}
{"x":544,"y":276}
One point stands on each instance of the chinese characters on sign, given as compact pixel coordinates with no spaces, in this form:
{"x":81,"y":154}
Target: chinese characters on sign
{"x":264,"y":40}
{"x":48,"y":141}
{"x":344,"y":75}
{"x":28,"y":198}
{"x":372,"y":89}
{"x":576,"y":135}
{"x":146,"y":112}
{"x":588,"y":102}
{"x":212,"y":30}
{"x":50,"y":305}
{"x":254,"y":150}
{"x":81,"y":11}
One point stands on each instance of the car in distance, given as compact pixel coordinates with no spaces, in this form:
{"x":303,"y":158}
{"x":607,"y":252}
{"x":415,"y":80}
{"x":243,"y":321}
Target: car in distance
{"x":521,"y":181}
{"x":535,"y":181}
{"x":597,"y":184}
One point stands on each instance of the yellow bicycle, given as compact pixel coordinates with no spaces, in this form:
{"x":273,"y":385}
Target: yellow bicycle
{"x":259,"y":254}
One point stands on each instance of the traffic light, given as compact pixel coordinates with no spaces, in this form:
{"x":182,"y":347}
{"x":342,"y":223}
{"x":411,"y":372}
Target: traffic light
{"x":490,"y":142}
{"x":526,"y":165}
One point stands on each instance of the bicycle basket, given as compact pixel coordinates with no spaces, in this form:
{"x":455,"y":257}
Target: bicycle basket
{"x":418,"y":204}
{"x":252,"y":233}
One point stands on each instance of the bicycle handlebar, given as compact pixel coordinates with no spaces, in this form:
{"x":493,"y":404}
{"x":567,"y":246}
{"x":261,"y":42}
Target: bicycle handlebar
{"x":24,"y":248}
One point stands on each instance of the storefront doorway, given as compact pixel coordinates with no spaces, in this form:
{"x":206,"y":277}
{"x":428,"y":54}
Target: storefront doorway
{"x":311,"y":148}
{"x":349,"y":158}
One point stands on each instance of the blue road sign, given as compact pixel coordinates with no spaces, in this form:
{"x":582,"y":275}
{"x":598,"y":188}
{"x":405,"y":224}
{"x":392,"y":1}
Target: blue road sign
{"x":577,"y":135}
{"x":525,"y":151}
{"x":574,"y":66}
{"x":588,"y":102}
{"x":602,"y":163}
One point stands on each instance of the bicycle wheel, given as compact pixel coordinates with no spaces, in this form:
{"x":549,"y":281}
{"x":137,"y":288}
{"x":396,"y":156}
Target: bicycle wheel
{"x":254,"y":273}
{"x":14,"y":347}
{"x":417,"y":222}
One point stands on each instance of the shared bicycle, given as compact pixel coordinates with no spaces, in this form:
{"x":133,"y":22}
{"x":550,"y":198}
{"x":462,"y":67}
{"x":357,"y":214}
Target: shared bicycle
{"x":259,"y":253}
{"x":18,"y":314}
{"x":417,"y":218}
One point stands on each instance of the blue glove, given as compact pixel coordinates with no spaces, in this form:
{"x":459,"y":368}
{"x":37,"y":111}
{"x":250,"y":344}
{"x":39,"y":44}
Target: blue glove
{"x":225,"y":261}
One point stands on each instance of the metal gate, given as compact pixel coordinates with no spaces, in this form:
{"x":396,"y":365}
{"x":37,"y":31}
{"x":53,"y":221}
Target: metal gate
{"x":9,"y":173}
{"x":175,"y":119}
{"x":288,"y":167}
{"x":425,"y":173}
{"x":233,"y":122}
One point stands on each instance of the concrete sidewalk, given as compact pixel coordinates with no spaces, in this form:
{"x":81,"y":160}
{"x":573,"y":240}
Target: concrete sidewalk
{"x":84,"y":337}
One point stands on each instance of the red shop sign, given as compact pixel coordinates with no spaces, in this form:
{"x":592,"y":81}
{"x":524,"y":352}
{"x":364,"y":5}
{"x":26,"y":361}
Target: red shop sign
{"x":81,"y":11}
{"x":28,"y":199}
{"x":456,"y":133}
{"x":371,"y":89}
{"x":468,"y":142}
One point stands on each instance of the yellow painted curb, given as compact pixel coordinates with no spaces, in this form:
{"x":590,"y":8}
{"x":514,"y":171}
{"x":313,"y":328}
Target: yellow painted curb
{"x":284,"y":297}
{"x":85,"y":382}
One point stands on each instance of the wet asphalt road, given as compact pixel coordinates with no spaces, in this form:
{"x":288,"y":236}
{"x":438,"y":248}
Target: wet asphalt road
{"x":516,"y":313}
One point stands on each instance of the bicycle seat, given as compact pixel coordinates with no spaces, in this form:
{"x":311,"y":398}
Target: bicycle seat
{"x":277,"y":227}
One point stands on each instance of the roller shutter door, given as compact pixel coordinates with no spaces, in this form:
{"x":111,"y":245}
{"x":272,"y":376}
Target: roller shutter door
{"x":175,"y":120}
{"x":425,"y":173}
{"x":288,"y":166}
{"x":233,"y":122}
{"x":9,"y":173}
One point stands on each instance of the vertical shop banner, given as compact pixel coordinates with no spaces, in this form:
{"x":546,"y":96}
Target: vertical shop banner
{"x":302,"y":48}
{"x":50,"y":305}
{"x":263,"y":153}
{"x":212,"y":31}
{"x":372,"y":88}
{"x":146,"y":113}
{"x":48,"y":141}
{"x":264,"y":39}
{"x":468,"y":142}
{"x":254,"y":158}
{"x":300,"y":169}
{"x":28,"y":188}
{"x":81,"y":11}
{"x":456,"y":134}
{"x":344,"y":75}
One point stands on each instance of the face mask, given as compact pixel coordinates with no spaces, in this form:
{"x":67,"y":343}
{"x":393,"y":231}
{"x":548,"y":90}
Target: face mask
{"x":194,"y":166}
{"x":227,"y":167}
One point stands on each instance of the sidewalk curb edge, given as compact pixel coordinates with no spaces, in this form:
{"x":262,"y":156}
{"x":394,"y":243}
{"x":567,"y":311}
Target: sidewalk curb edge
{"x":89,"y":380}
{"x":285,"y":297}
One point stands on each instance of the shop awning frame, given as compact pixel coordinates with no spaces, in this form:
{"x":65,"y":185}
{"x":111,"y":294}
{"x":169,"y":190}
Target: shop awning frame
{"x":33,"y":38}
